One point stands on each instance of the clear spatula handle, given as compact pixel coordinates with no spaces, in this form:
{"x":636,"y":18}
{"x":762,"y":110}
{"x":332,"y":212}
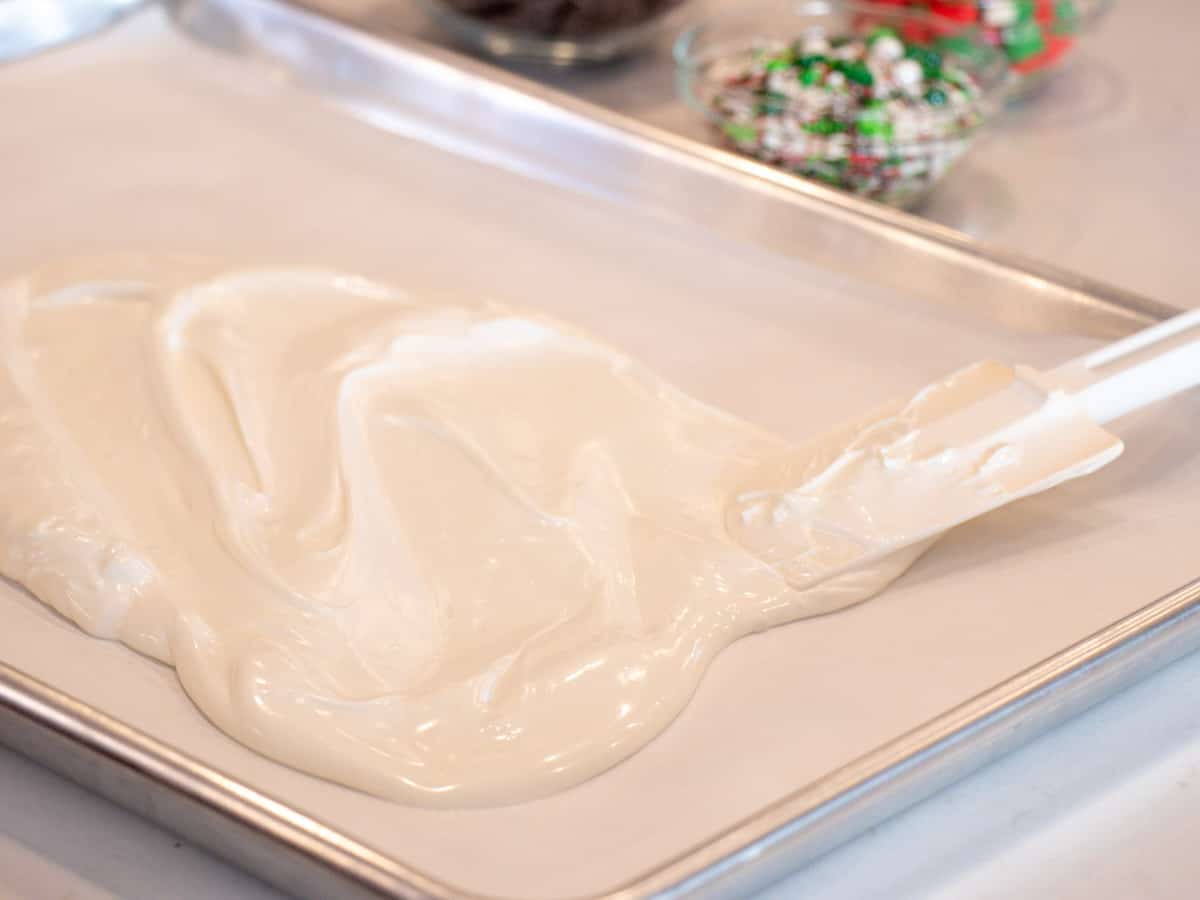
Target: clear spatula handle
{"x":1134,"y":372}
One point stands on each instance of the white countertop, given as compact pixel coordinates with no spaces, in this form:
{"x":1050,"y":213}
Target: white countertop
{"x":1094,"y":176}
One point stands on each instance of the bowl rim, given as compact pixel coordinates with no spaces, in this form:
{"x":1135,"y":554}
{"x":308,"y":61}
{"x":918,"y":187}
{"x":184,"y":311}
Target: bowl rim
{"x":506,"y":42}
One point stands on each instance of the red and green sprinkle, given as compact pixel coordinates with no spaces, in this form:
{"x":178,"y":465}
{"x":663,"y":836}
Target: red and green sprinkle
{"x":1034,"y":34}
{"x":876,"y":115}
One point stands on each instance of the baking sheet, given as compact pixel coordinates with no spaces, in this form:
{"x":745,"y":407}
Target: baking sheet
{"x":141,"y":140}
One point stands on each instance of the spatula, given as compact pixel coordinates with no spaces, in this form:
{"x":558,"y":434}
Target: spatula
{"x":984,"y":437}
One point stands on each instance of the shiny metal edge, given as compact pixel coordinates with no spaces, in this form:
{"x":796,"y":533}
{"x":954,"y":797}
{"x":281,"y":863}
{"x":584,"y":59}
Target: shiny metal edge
{"x":300,"y":855}
{"x":212,"y":810}
{"x":885,"y":782}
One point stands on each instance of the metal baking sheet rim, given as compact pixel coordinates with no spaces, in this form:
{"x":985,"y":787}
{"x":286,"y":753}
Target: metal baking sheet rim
{"x":300,"y":855}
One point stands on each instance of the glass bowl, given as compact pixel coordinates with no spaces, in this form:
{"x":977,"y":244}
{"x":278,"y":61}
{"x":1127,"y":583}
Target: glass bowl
{"x":892,"y":146}
{"x":1037,"y":36}
{"x":555,"y":32}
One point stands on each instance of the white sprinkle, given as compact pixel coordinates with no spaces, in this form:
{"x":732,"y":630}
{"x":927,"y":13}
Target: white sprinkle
{"x":814,"y":43}
{"x":773,"y":136}
{"x":887,"y":48}
{"x":1000,"y":13}
{"x":838,"y":146}
{"x":908,"y":74}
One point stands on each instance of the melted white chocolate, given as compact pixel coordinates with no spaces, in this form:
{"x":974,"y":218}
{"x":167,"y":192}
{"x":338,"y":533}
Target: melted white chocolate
{"x":449,"y":555}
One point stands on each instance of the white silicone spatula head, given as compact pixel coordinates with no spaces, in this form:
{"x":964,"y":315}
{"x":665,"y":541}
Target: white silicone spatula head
{"x":982,"y":438}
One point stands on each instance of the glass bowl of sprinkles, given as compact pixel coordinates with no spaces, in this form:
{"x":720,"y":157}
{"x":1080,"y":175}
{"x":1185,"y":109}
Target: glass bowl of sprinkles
{"x":1037,"y":36}
{"x":874,"y":99}
{"x":555,"y":32}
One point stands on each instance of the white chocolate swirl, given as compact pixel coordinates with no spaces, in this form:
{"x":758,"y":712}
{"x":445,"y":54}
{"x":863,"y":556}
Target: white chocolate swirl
{"x":449,"y":555}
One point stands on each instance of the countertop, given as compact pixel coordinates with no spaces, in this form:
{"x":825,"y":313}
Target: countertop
{"x":1095,"y":174}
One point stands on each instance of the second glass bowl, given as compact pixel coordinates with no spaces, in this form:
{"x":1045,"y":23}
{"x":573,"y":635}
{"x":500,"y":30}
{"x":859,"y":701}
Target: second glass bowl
{"x":807,"y":87}
{"x":1037,"y":36}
